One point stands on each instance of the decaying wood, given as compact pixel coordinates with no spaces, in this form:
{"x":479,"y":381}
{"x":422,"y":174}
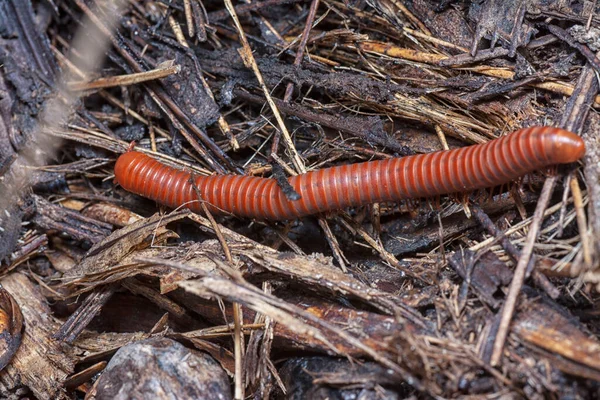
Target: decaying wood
{"x":55,"y":218}
{"x":470,"y":294}
{"x":41,"y":363}
{"x":11,"y":325}
{"x":368,"y":380}
{"x":69,"y":331}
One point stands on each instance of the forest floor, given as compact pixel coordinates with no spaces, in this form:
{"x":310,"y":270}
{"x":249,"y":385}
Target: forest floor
{"x":490,"y":293}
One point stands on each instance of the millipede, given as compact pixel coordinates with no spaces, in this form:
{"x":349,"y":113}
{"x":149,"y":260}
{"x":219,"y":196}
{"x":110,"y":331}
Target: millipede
{"x":424,"y":175}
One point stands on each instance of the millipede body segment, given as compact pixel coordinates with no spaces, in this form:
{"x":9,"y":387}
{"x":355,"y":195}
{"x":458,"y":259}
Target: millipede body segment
{"x":460,"y":170}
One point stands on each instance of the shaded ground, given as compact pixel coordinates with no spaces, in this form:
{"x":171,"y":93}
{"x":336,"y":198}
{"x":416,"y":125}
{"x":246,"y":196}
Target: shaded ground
{"x":491,"y":293}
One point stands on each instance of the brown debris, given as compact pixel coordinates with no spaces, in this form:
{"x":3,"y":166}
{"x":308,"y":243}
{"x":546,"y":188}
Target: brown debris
{"x":69,"y":331}
{"x":162,"y":71}
{"x":40,"y":363}
{"x":374,"y":329}
{"x":472,"y":294}
{"x":548,"y":327}
{"x":111,"y":214}
{"x":325,"y":377}
{"x":50,"y":217}
{"x":112,"y":249}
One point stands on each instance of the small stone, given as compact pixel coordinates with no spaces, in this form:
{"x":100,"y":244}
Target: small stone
{"x":161,"y":368}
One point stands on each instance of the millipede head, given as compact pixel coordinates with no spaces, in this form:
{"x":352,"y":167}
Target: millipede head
{"x":567,"y":147}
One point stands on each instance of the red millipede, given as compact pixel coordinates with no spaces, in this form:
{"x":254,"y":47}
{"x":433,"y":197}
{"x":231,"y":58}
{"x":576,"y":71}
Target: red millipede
{"x":460,"y":170}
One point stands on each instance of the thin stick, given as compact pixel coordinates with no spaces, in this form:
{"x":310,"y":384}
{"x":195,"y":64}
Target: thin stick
{"x":333,"y":244}
{"x":176,"y":28}
{"x":189,"y":20}
{"x":125,"y":80}
{"x":152,"y":137}
{"x":581,"y":222}
{"x":519,"y":276}
{"x":434,"y":40}
{"x":442,"y":137}
{"x":238,"y":350}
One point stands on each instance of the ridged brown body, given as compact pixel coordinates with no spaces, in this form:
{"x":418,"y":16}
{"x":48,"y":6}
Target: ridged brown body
{"x":426,"y":175}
